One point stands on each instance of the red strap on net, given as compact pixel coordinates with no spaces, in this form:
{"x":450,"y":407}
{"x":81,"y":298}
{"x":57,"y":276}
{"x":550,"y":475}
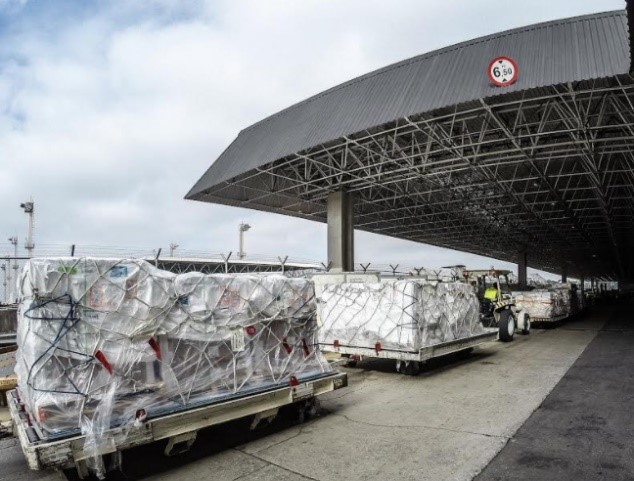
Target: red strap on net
{"x":287,"y":346}
{"x":155,"y":346}
{"x":305,"y":347}
{"x":101,"y":357}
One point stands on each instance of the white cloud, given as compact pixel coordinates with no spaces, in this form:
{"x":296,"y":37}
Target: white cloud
{"x":11,"y":5}
{"x":108,"y":119}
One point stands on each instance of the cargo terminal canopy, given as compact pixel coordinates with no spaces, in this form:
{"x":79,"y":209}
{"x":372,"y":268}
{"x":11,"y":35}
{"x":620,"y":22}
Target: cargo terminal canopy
{"x":533,"y":164}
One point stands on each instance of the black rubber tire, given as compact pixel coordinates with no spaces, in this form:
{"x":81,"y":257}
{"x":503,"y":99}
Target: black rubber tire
{"x":506,"y":326}
{"x":413,"y":368}
{"x":351,"y":363}
{"x":527,"y":326}
{"x":409,"y":368}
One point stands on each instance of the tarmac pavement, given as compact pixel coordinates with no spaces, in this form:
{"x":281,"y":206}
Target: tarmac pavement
{"x":583,"y":430}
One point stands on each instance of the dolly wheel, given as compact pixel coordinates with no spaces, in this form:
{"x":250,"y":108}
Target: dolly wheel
{"x":409,"y":368}
{"x":527,"y":325}
{"x":351,"y":363}
{"x":350,"y":360}
{"x":506,"y":326}
{"x":413,"y":368}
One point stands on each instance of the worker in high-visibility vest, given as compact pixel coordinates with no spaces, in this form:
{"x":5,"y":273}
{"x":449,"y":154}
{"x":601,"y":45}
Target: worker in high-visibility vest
{"x":491,"y":293}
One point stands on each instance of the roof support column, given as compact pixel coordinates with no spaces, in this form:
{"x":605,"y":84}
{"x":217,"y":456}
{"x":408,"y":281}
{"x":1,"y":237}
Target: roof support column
{"x":522,"y":277}
{"x":341,"y":231}
{"x":564,"y":273}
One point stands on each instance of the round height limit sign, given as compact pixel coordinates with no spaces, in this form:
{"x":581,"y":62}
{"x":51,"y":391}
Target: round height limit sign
{"x":502,"y":71}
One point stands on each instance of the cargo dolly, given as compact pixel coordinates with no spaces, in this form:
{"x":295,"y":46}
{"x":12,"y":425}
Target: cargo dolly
{"x":178,"y":428}
{"x":410,"y":361}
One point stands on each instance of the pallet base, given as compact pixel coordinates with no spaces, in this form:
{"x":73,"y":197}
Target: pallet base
{"x":68,"y":453}
{"x":421,"y":355}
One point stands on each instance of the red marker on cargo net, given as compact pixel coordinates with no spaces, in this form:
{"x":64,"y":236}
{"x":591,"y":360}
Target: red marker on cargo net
{"x":101,"y":357}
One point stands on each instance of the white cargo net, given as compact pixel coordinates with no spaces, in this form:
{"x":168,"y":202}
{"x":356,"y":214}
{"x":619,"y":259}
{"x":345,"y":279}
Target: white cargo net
{"x":545,"y":303}
{"x":110,"y":342}
{"x":400,"y":315}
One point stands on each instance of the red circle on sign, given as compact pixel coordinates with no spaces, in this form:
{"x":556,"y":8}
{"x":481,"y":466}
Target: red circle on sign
{"x":503,"y":81}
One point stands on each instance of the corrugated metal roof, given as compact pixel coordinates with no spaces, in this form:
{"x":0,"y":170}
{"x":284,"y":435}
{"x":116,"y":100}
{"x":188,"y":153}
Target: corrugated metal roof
{"x":629,"y":9}
{"x":557,"y":52}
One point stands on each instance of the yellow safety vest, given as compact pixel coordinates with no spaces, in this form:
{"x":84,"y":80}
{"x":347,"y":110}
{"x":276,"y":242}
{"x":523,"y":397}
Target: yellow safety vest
{"x":491,"y":293}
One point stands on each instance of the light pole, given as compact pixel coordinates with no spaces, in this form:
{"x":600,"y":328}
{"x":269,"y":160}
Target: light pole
{"x":4,"y":283}
{"x":173,"y":247}
{"x":241,"y":230}
{"x":29,"y":208}
{"x":14,"y":241}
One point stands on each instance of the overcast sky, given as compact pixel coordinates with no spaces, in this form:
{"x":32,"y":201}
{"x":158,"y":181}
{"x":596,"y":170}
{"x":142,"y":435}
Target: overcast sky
{"x":111,"y":110}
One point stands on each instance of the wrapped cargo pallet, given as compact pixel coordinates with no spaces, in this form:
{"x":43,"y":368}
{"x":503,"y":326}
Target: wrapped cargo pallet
{"x":109,"y":342}
{"x":565,"y":300}
{"x":400,"y":315}
{"x":544,"y":303}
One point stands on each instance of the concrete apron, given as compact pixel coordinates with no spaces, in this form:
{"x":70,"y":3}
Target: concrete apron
{"x":446,"y":424}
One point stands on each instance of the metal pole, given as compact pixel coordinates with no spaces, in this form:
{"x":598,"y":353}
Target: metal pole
{"x":283,"y":262}
{"x":14,"y":241}
{"x":326,"y":267}
{"x":173,"y":247}
{"x":242,"y":228}
{"x":226,"y":259}
{"x":29,"y":240}
{"x":4,"y":284}
{"x":7,"y":291}
{"x":29,"y":208}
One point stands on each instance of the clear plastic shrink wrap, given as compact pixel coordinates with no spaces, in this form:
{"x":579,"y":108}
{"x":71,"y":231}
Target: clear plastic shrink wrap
{"x":543,"y":303}
{"x":401,"y":315}
{"x":105,"y":341}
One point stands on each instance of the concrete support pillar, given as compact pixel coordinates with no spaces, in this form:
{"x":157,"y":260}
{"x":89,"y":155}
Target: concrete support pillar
{"x":522,"y":277}
{"x":564,"y":273}
{"x":341,"y":231}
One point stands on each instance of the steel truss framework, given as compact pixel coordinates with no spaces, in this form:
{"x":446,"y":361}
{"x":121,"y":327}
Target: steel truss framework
{"x":548,"y":171}
{"x":181,"y":266}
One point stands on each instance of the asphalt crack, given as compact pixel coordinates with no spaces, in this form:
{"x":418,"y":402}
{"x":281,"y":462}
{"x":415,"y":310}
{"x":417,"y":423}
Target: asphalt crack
{"x":270,"y":463}
{"x":243,"y":476}
{"x":418,"y":426}
{"x":290,"y":438}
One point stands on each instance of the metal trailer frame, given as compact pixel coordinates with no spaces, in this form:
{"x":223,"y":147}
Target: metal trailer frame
{"x":550,"y":319}
{"x":180,"y":428}
{"x":8,"y":339}
{"x":421,"y":355}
